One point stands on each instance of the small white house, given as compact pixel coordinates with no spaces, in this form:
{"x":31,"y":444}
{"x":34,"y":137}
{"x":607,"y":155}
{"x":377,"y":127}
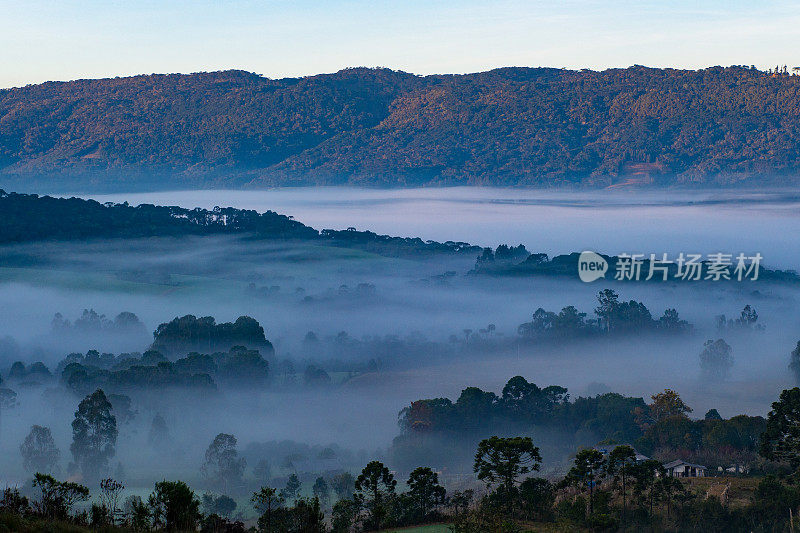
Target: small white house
{"x":735,"y":469}
{"x":681,"y":468}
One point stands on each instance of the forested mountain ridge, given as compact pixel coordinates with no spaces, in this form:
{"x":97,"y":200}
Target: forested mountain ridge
{"x":511,"y":126}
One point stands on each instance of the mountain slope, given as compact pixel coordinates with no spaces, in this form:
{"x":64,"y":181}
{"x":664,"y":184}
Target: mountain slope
{"x":513,"y":126}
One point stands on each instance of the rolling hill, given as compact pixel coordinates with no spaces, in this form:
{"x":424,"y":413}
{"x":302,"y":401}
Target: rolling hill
{"x":378,"y":127}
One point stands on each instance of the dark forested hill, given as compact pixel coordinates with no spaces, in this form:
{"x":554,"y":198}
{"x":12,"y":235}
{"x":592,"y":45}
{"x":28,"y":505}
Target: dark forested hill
{"x":30,"y":218}
{"x":520,"y":126}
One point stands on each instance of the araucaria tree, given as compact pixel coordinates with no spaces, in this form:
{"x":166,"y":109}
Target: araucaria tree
{"x":39,"y":451}
{"x":375,"y":485}
{"x":619,"y":463}
{"x":94,"y":435}
{"x":504,"y":461}
{"x":424,"y":489}
{"x":588,"y":470}
{"x":266,"y":501}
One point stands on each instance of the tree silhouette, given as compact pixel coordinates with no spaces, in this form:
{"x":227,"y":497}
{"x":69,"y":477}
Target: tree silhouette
{"x":588,"y":469}
{"x":781,"y":440}
{"x":619,"y":462}
{"x":424,"y":489}
{"x":39,"y":451}
{"x":503,"y":461}
{"x":222,"y":462}
{"x":266,"y":501}
{"x":174,"y":506}
{"x":374,"y":485}
{"x":94,"y":434}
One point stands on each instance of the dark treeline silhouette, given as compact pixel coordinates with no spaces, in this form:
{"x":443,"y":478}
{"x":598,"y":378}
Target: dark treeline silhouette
{"x":29,"y":217}
{"x":90,"y":322}
{"x":201,"y":354}
{"x":198,"y":353}
{"x":511,"y":261}
{"x":437,"y":428}
{"x":152,"y":371}
{"x":523,"y":126}
{"x":609,"y":488}
{"x":614,"y":317}
{"x":189,"y":333}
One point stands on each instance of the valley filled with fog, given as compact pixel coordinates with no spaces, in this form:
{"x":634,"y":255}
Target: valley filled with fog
{"x":385,"y":329}
{"x":550,"y":221}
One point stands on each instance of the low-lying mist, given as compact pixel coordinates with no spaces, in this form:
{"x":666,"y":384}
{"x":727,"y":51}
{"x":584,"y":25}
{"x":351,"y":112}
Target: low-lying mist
{"x":387,"y":331}
{"x":554,"y":222}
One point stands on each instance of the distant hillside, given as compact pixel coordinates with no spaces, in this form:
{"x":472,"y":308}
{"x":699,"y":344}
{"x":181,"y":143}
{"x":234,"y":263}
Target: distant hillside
{"x":513,"y":126}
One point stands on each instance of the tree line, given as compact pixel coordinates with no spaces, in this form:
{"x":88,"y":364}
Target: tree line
{"x":605,"y":487}
{"x":438,"y":427}
{"x":30,"y":217}
{"x":613,"y":317}
{"x":516,"y":261}
{"x":605,"y":490}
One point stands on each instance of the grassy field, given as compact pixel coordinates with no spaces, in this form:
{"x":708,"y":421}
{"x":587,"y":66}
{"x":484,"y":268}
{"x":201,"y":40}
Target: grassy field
{"x":739,"y":489}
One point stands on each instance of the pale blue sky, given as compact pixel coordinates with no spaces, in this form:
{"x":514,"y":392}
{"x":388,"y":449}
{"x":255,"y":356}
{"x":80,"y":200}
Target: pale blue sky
{"x":68,"y":39}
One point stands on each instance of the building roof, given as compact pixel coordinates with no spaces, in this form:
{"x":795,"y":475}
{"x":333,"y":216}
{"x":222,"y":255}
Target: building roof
{"x":679,"y":462}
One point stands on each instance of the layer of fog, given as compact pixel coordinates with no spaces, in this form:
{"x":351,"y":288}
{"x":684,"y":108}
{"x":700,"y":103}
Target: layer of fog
{"x":211,"y":277}
{"x":553,"y":222}
{"x":159,"y":279}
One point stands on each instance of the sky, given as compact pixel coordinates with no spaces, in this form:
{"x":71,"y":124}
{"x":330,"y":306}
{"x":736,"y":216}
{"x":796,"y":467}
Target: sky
{"x":72,"y":39}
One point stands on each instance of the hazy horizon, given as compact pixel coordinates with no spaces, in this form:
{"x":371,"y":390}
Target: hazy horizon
{"x":82,"y":39}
